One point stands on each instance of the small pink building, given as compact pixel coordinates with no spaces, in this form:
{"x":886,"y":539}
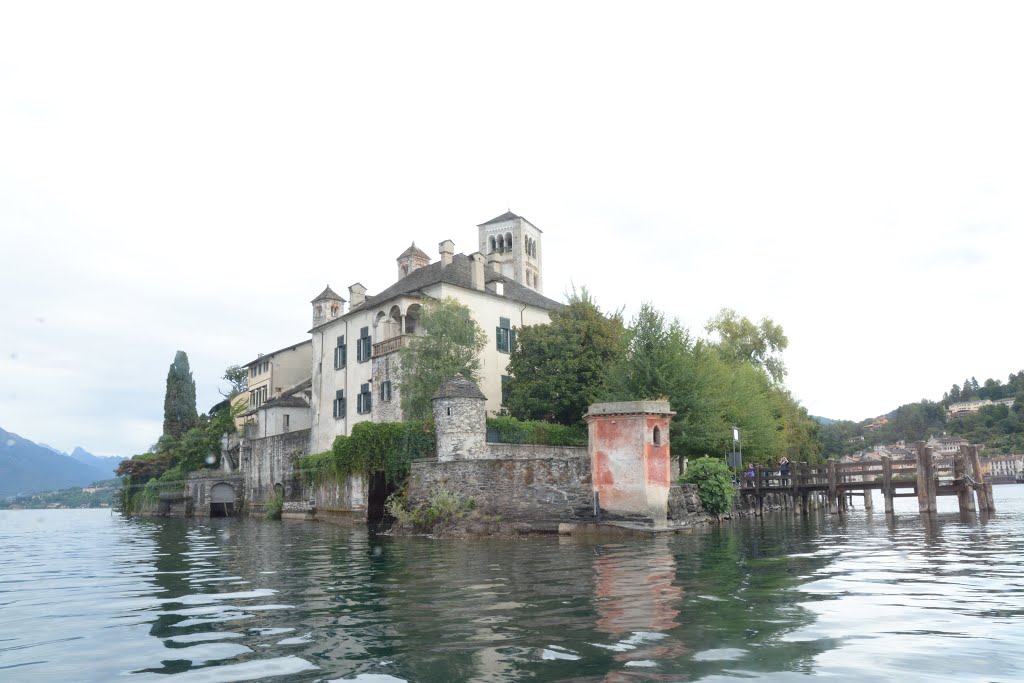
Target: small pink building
{"x":630,"y":459}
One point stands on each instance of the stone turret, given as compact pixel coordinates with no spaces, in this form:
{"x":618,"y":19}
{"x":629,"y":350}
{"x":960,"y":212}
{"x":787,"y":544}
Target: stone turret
{"x":411,"y":259}
{"x":327,"y":306}
{"x":460,"y":420}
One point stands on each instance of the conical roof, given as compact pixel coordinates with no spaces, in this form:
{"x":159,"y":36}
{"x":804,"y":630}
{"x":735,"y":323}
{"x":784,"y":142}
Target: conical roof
{"x":459,"y":387}
{"x":328,"y":293}
{"x":414,"y":251}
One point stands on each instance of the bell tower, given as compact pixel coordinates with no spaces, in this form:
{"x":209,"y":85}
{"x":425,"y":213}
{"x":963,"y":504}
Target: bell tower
{"x":512,"y":246}
{"x":327,"y":306}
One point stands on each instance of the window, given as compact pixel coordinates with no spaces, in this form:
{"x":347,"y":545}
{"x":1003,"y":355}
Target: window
{"x":364,"y":400}
{"x":258,"y":396}
{"x":504,"y":390}
{"x":339,"y":404}
{"x":506,"y":336}
{"x":287,"y":422}
{"x":340,"y":353}
{"x":657,"y":436}
{"x":385,"y":390}
{"x":364,"y":345}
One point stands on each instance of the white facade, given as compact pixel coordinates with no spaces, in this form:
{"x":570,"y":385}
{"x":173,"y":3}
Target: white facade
{"x":355,"y":370}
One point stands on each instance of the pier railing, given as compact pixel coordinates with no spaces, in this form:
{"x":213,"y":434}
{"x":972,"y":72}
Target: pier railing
{"x":924,"y":477}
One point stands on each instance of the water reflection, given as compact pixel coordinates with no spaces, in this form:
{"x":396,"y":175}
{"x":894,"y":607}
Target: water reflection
{"x":90,"y":597}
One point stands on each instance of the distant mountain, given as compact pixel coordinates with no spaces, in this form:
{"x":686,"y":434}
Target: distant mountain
{"x":822,"y":420}
{"x":104,"y":463}
{"x":27,"y":467}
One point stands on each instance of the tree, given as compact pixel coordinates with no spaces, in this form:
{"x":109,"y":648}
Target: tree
{"x":238,"y":378}
{"x":559,"y":369}
{"x":180,"y":398}
{"x":451,"y":346}
{"x":740,"y":339}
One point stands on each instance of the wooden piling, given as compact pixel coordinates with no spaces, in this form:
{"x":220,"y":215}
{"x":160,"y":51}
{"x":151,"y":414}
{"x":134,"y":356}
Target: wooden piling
{"x":983,"y":490}
{"x":833,"y":496}
{"x":964,"y":490}
{"x":887,"y":483}
{"x":925,"y":479}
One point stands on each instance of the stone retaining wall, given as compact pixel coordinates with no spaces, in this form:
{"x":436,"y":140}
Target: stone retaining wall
{"x":532,"y":490}
{"x":525,"y":451}
{"x":270,"y":461}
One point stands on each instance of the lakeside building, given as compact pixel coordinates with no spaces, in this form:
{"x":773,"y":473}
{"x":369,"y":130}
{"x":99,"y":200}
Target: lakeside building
{"x":355,"y":365}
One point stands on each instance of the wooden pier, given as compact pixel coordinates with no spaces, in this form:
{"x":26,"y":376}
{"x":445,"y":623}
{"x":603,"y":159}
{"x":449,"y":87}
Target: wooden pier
{"x":836,"y":483}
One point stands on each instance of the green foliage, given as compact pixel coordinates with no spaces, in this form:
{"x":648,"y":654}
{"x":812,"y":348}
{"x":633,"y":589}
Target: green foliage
{"x":237,"y":377}
{"x":387,"y":447}
{"x":714,"y":484}
{"x":759,"y":344}
{"x":441,"y":508}
{"x":451,"y":346}
{"x":511,"y":430}
{"x":274,"y":507}
{"x":557,"y":370}
{"x":180,"y":398}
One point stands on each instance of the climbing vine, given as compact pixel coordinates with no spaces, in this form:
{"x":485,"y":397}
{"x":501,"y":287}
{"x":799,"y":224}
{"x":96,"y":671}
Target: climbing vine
{"x":388,"y":447}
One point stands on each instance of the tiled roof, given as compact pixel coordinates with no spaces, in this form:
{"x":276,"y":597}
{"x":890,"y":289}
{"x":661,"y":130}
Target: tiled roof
{"x":459,"y":387}
{"x":458,"y":273}
{"x":414,"y":251}
{"x":327,"y":294}
{"x":507,"y":216}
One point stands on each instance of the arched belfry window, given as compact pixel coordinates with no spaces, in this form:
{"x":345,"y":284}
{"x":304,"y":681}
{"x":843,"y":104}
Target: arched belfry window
{"x":508,"y":241}
{"x":657,"y":436}
{"x":501,"y":244}
{"x":492,"y":244}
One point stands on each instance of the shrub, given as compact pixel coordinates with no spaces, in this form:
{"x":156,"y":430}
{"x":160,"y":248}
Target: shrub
{"x":441,"y":508}
{"x":274,"y":507}
{"x":714,"y":484}
{"x":511,"y":430}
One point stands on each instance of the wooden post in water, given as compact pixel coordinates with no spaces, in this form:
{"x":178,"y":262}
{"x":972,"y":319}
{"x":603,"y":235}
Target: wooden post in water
{"x":887,"y":483}
{"x":984,"y":491}
{"x":925,"y":479}
{"x":833,"y":495}
{"x":964,"y":491}
{"x":758,"y":496}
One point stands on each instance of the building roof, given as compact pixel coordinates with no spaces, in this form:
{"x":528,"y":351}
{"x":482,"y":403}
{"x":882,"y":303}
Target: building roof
{"x":507,"y":216}
{"x":328,"y":293}
{"x":414,"y":251}
{"x":284,"y":402}
{"x":459,"y":387}
{"x":265,"y":356}
{"x":457,"y":273}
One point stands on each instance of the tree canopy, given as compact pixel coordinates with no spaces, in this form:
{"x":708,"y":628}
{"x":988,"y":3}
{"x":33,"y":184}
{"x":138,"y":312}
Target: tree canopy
{"x":180,"y":398}
{"x":558,"y":369}
{"x":451,"y":346}
{"x":761,"y":344}
{"x":237,"y":377}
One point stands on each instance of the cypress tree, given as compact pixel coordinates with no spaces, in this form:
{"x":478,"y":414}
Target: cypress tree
{"x":180,"y":400}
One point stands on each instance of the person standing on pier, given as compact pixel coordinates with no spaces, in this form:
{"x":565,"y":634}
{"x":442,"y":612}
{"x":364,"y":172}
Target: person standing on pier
{"x":784,"y":469}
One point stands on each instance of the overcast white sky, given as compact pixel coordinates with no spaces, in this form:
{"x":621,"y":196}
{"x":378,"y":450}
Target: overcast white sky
{"x":189,"y":175}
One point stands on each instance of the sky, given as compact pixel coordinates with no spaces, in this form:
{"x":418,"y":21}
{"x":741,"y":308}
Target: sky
{"x":189,"y":175}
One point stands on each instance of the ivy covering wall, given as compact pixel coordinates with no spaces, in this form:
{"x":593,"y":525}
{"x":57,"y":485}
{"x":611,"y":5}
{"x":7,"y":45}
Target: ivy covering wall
{"x":388,"y":447}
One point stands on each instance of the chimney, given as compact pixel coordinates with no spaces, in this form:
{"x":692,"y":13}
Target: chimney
{"x":476,"y":270}
{"x":356,"y":295}
{"x":447,"y":250}
{"x":494,"y":261}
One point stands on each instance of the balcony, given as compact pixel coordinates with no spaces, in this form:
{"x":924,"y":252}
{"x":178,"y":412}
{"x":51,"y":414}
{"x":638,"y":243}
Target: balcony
{"x":390,"y":345}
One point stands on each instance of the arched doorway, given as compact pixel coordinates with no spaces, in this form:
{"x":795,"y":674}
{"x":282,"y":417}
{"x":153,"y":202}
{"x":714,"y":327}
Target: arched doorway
{"x":222,"y":500}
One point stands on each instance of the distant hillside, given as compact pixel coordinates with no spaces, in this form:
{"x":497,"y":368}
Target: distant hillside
{"x":104,"y":463}
{"x":27,"y":467}
{"x":822,"y":420}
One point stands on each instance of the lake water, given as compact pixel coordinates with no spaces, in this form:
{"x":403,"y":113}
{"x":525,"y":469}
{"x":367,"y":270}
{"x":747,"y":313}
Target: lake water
{"x":90,"y":596}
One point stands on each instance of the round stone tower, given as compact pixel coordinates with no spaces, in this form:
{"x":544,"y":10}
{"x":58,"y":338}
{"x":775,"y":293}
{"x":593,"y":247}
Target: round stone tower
{"x":460,"y":420}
